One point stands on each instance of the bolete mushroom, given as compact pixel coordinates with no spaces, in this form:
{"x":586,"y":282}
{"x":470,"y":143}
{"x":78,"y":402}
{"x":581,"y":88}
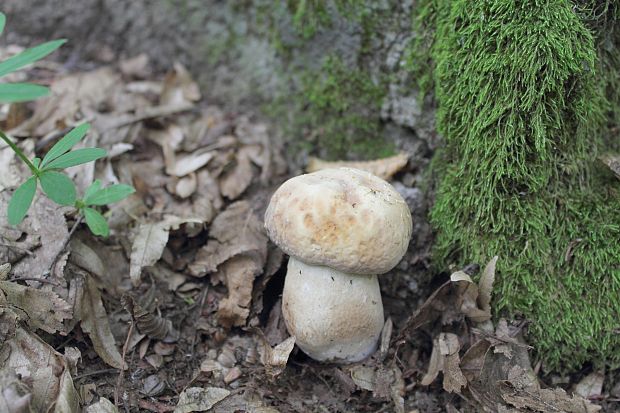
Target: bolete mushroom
{"x":341,"y":227}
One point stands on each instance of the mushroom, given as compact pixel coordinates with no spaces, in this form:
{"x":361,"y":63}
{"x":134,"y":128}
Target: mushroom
{"x":341,"y":228}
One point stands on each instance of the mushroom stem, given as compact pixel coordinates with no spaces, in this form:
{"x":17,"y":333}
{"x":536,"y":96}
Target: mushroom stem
{"x":334,"y":316}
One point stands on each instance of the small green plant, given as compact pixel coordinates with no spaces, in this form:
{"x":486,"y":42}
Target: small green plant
{"x":47,"y":171}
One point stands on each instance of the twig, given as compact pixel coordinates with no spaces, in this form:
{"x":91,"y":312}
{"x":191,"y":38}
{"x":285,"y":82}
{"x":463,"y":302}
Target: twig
{"x":203,"y":296}
{"x":94,"y":373}
{"x":41,"y":280}
{"x":121,"y":376}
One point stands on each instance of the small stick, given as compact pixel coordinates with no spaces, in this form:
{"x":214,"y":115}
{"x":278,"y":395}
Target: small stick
{"x":121,"y":376}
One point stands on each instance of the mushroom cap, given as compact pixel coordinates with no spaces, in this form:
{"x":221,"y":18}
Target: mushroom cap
{"x":334,"y":316}
{"x":342,"y":218}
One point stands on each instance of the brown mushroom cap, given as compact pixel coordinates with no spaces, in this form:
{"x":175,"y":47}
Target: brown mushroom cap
{"x":342,"y":218}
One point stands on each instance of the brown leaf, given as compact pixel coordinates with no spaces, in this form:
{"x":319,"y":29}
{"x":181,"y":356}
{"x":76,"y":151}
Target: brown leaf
{"x":69,"y":94}
{"x":198,"y":399}
{"x":544,"y":400}
{"x":383,"y":168}
{"x":485,"y":286}
{"x":95,"y":323}
{"x":44,"y":309}
{"x":233,"y":232}
{"x":43,"y":372}
{"x":179,"y":87}
{"x":46,"y":219}
{"x":445,"y":358}
{"x":275,"y":359}
{"x":236,"y":253}
{"x":591,"y":385}
{"x":237,"y":179}
{"x":149,"y":243}
{"x":147,"y":323}
{"x":613,"y":162}
{"x":239,"y":273}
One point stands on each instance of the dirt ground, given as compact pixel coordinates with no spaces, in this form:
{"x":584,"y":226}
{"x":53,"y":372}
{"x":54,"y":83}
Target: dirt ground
{"x":189,"y":305}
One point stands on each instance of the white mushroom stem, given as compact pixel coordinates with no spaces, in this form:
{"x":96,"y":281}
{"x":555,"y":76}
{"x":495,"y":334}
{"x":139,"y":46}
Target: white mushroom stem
{"x":334,"y":316}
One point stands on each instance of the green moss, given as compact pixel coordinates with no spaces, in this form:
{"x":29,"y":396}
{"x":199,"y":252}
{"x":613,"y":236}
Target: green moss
{"x":338,"y":108}
{"x":522,"y":111}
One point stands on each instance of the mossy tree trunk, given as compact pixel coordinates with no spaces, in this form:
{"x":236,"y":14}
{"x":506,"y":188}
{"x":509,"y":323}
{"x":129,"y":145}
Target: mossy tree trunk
{"x":522,"y":105}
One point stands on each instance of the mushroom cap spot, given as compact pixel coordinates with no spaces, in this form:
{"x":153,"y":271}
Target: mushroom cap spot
{"x":342,"y":218}
{"x":334,"y":316}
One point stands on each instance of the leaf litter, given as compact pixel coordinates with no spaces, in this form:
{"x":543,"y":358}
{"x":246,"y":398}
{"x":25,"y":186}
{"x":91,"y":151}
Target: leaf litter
{"x":189,"y":261}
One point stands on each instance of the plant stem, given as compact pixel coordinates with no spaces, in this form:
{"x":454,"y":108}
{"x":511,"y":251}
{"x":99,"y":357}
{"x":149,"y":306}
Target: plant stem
{"x":19,"y":153}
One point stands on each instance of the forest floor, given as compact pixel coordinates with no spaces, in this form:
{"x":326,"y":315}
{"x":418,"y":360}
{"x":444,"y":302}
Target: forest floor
{"x":179,"y":308}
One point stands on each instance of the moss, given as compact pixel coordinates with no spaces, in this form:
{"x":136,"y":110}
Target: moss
{"x":523,"y":111}
{"x":338,"y":108}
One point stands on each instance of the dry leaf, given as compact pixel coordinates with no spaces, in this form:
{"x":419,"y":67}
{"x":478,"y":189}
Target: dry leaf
{"x":102,"y":406}
{"x":544,"y":400}
{"x":69,"y":95}
{"x":445,"y":358}
{"x":236,"y":252}
{"x":591,"y":385}
{"x":85,"y":257}
{"x":41,"y":370}
{"x":179,"y":87}
{"x":383,"y":168}
{"x":43,"y":309}
{"x":149,"y":243}
{"x":136,"y":66}
{"x":95,"y":323}
{"x":237,"y":179}
{"x":46,"y":219}
{"x":275,"y":359}
{"x":147,"y":323}
{"x":235,"y":231}
{"x":613,"y":162}
{"x":364,"y":377}
{"x":183,"y":165}
{"x":186,"y":186}
{"x":197,"y":399}
{"x":239,"y":273}
{"x":485,"y":286}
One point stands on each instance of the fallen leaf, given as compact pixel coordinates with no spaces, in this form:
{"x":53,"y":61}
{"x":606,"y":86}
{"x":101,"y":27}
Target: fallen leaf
{"x":383,"y":168}
{"x":69,"y":95}
{"x":187,"y":164}
{"x":102,"y":406}
{"x":85,"y":257}
{"x":179,"y":87}
{"x":364,"y":377}
{"x":234,"y":231}
{"x":41,"y":370}
{"x":236,"y":254}
{"x":136,"y":66}
{"x":239,"y":273}
{"x":445,"y":358}
{"x":186,"y":186}
{"x":197,"y":399}
{"x":44,"y":310}
{"x":95,"y":323}
{"x":485,"y":286}
{"x":147,"y":323}
{"x":149,"y":243}
{"x":591,"y":385}
{"x":237,"y":179}
{"x":46,"y":219}
{"x":613,"y":163}
{"x":275,"y":359}
{"x":532,"y":397}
